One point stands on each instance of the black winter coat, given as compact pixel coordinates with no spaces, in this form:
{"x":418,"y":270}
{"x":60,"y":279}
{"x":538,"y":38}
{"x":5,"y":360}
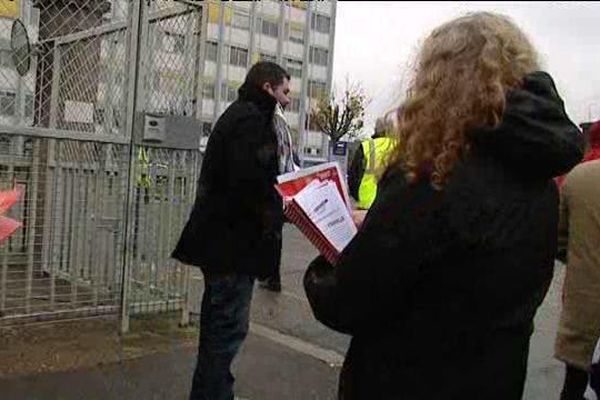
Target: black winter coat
{"x":439,"y":288}
{"x":236,"y":221}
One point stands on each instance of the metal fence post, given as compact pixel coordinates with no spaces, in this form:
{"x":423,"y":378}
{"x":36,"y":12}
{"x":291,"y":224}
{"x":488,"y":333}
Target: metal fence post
{"x":132,"y":84}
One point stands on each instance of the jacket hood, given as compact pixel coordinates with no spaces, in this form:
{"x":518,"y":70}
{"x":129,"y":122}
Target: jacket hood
{"x":535,"y":136}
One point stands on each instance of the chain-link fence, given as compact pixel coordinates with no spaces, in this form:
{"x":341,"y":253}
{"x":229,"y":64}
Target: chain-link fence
{"x":170,"y":60}
{"x":79,"y":80}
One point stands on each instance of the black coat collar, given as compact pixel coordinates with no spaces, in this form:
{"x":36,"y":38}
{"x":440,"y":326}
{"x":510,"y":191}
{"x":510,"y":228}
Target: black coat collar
{"x":263,"y":100}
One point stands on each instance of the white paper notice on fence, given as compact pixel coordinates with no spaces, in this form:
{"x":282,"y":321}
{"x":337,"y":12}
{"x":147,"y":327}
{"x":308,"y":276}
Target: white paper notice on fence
{"x":324,"y":206}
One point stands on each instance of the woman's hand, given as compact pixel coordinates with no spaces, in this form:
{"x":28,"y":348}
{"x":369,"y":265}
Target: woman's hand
{"x":358,"y":216}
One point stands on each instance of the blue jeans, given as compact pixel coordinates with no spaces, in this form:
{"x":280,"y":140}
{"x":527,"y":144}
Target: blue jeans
{"x":224,"y":320}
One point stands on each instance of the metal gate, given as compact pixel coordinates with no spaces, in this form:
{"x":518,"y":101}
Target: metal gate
{"x":97,"y":121}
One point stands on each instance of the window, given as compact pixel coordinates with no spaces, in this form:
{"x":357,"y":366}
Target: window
{"x":312,"y":125}
{"x":268,"y":57}
{"x":296,"y":35}
{"x":238,"y":56}
{"x":301,"y":4}
{"x":269,"y":28}
{"x":228,"y":93}
{"x":181,"y":186}
{"x":316,"y":89}
{"x":7,"y":103}
{"x":173,"y":42}
{"x":319,"y":56}
{"x":211,"y":51}
{"x":4,"y":145}
{"x":241,"y":21}
{"x":224,"y":91}
{"x":294,"y":67}
{"x":320,"y":23}
{"x":28,"y":147}
{"x":231,"y":93}
{"x":208,"y":90}
{"x":312,"y":151}
{"x":294,"y":104}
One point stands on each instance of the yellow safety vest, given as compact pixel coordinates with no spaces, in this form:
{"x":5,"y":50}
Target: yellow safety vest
{"x":374,"y":151}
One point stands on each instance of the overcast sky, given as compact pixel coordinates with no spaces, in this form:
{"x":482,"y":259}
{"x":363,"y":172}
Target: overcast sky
{"x":376,"y":41}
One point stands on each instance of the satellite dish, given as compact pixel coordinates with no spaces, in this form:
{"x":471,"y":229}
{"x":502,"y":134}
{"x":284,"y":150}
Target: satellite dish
{"x":21,"y":48}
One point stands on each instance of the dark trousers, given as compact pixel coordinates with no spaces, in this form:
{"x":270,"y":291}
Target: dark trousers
{"x":224,"y":320}
{"x":576,"y":381}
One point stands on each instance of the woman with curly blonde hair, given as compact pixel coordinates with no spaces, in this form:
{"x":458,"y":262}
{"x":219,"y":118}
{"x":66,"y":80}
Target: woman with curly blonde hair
{"x":440,"y":286}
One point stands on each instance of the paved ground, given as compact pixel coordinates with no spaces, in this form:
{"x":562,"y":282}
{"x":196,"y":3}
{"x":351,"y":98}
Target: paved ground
{"x":266,"y":370}
{"x":288,"y":355}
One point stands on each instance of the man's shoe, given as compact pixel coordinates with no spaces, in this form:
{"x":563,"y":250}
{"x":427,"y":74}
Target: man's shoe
{"x":272,"y":285}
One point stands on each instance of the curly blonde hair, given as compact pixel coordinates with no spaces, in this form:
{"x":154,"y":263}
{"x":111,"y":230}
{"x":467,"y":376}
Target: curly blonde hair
{"x":464,"y":70}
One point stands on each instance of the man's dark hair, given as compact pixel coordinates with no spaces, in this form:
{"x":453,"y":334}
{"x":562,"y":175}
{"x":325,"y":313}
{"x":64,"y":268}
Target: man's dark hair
{"x":265,"y":71}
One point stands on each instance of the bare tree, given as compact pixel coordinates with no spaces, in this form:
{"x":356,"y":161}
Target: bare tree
{"x":341,"y":117}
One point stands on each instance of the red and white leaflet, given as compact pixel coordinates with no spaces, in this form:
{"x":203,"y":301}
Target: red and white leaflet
{"x":316,"y":201}
{"x":324,"y":206}
{"x":288,"y":185}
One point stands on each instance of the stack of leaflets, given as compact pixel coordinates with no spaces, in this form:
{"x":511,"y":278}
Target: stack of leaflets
{"x":316,"y":201}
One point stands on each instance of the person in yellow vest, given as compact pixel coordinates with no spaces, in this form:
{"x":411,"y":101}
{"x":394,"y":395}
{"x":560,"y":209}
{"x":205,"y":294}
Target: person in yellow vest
{"x":368,"y":158}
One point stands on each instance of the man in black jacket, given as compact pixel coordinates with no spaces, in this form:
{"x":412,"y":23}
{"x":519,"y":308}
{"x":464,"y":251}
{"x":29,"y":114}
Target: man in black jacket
{"x":234,"y":231}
